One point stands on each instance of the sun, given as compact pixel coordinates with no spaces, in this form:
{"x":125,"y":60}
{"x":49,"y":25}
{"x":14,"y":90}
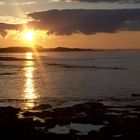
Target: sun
{"x":29,"y":35}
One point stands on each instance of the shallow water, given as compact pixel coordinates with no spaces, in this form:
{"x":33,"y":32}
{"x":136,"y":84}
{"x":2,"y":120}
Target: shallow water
{"x":67,"y":77}
{"x":81,"y":129}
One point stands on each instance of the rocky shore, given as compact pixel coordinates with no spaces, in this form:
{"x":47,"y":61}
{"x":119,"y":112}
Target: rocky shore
{"x":87,"y":121}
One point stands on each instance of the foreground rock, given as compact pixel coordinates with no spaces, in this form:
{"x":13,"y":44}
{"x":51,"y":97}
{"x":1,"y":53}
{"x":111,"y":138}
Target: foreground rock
{"x":89,"y":121}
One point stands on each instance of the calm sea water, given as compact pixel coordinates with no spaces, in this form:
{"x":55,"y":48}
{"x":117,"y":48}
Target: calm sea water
{"x":109,"y":76}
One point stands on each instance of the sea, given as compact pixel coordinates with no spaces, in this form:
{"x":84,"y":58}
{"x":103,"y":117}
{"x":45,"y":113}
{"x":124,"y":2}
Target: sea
{"x":65,"y":78}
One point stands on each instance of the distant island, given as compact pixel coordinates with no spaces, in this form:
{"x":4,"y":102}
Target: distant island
{"x":29,"y":49}
{"x":57,"y":49}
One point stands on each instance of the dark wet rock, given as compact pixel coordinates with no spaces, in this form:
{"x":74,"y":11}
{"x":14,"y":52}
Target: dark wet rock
{"x":119,"y":126}
{"x":95,"y":108}
{"x":8,"y":122}
{"x":63,"y":112}
{"x":27,"y":113}
{"x":31,"y":122}
{"x":42,"y":107}
{"x":135,"y":95}
{"x":80,"y":120}
{"x":64,"y":121}
{"x":130,"y":127}
{"x":72,"y":131}
{"x":24,"y":128}
{"x":50,"y":123}
{"x":9,"y":110}
{"x":8,"y":115}
{"x":86,"y":120}
{"x":110,"y":130}
{"x":41,"y":114}
{"x":54,"y":136}
{"x":94,"y":113}
{"x":89,"y":108}
{"x":94,"y":135}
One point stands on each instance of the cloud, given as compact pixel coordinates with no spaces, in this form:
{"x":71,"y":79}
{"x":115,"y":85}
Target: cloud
{"x":85,"y":21}
{"x":1,"y":2}
{"x":4,"y":27}
{"x":95,"y":1}
{"x":67,"y":22}
{"x":18,"y":2}
{"x":25,"y":3}
{"x":14,"y":20}
{"x":3,"y":33}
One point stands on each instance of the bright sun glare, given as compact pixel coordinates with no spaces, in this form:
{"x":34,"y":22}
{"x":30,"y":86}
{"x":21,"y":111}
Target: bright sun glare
{"x":29,"y":35}
{"x":29,"y":55}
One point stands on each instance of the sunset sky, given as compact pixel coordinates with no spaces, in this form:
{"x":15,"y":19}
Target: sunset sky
{"x":70,"y":23}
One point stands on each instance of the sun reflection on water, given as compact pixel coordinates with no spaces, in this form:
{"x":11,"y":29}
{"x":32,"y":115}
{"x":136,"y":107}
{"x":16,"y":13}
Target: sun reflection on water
{"x":30,"y":93}
{"x":29,"y":55}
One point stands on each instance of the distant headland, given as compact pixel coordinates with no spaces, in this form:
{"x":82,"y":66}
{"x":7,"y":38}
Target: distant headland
{"x":57,"y":49}
{"x":27,"y":49}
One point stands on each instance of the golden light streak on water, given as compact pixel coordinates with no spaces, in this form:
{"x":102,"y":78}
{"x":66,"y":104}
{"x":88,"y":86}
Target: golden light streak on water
{"x":29,"y":55}
{"x":30,"y":93}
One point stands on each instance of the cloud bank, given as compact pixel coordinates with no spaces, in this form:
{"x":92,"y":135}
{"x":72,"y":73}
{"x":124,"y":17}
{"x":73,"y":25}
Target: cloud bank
{"x":4,"y":27}
{"x":95,"y":1}
{"x":67,"y":22}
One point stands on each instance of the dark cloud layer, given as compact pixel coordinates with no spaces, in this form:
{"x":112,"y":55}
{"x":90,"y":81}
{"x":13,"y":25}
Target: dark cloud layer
{"x":119,"y":1}
{"x":66,"y":22}
{"x":4,"y":27}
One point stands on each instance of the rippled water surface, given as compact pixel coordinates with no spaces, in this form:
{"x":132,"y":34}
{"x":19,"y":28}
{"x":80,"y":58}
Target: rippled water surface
{"x":110,"y":76}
